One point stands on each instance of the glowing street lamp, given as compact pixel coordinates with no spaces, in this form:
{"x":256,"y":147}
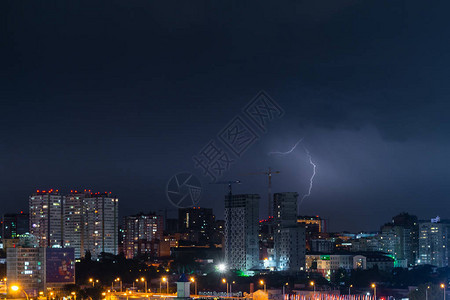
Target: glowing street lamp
{"x":224,"y":280}
{"x":231,"y":287}
{"x":120,"y":281}
{"x":195,"y":284}
{"x":16,"y":288}
{"x":284,"y":288}
{"x":261,"y":282}
{"x":374,"y":286}
{"x":313,"y":284}
{"x":164,"y":279}
{"x":145,"y":282}
{"x":443,"y":287}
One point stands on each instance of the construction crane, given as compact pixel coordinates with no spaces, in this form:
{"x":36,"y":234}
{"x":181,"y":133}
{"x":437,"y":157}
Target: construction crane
{"x":269,"y":173}
{"x":229,"y":183}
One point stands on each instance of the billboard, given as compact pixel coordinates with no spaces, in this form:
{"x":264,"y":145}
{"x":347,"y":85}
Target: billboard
{"x":60,"y":265}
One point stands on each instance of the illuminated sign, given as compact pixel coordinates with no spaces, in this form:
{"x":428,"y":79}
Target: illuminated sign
{"x":60,"y":265}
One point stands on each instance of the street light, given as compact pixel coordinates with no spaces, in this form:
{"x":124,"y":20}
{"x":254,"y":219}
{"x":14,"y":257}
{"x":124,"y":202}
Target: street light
{"x":261,"y":282}
{"x":164,"y":279}
{"x":443,"y":287}
{"x":313,"y":284}
{"x":120,"y":281}
{"x":374,"y":286}
{"x":224,"y":280}
{"x":145,"y":282}
{"x":349,"y":291}
{"x":74,"y":295}
{"x":284,"y":289}
{"x":426,"y":292}
{"x":91,"y":280}
{"x":195,"y":284}
{"x":16,"y":288}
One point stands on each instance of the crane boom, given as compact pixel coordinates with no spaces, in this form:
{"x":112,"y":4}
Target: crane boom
{"x":269,"y":174}
{"x":229,"y":183}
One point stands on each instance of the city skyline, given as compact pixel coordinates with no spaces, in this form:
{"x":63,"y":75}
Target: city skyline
{"x":174,"y":213}
{"x":228,"y":150}
{"x":91,"y":102}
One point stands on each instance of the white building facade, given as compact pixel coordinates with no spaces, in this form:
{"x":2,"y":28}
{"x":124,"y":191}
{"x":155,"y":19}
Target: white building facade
{"x":241,"y":231}
{"x":46,"y":218}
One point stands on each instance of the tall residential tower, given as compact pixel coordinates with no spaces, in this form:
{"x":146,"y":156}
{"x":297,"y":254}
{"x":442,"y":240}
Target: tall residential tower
{"x":289,"y":236}
{"x":241,"y":231}
{"x":46,"y":222}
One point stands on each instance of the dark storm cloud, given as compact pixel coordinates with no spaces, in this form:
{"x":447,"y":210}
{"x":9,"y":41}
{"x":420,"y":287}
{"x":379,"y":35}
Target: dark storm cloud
{"x":120,"y":95}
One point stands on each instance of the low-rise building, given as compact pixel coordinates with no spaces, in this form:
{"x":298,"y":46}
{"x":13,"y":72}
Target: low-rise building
{"x":371,"y":260}
{"x":327,"y":264}
{"x":37,"y":269}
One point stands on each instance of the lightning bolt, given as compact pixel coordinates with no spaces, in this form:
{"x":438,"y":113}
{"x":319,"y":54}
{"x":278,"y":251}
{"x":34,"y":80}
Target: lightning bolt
{"x":288,"y":152}
{"x":311,"y":179}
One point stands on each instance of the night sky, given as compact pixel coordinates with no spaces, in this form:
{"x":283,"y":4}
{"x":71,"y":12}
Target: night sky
{"x":120,"y":95}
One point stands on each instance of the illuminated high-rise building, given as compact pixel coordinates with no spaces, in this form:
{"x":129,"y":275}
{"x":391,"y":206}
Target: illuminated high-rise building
{"x":197,"y":223}
{"x":81,"y":220}
{"x":433,"y":243}
{"x":74,"y":221}
{"x":285,"y":209}
{"x":46,"y":222}
{"x":410,"y":237}
{"x":241,"y":231}
{"x":142,"y":234}
{"x":101,"y":230}
{"x":289,"y":237}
